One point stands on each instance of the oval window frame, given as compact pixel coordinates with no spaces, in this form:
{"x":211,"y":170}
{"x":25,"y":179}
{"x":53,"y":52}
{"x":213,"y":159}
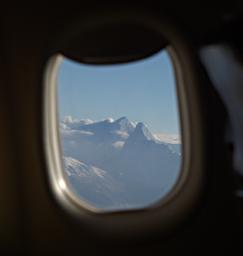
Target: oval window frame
{"x":169,"y":211}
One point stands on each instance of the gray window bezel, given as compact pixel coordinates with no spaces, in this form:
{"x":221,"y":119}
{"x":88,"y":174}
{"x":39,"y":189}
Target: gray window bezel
{"x":184,"y":196}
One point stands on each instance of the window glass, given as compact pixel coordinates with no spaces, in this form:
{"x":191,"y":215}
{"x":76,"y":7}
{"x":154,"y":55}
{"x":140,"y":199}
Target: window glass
{"x":120,"y":131}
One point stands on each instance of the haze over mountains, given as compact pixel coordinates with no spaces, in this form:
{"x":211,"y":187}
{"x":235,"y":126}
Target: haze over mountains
{"x":118,"y":164}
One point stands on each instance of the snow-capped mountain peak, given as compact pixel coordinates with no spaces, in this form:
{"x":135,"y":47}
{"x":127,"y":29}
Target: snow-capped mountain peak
{"x":124,"y":124}
{"x":72,"y":123}
{"x":141,"y":133}
{"x":123,"y":120}
{"x":109,"y":120}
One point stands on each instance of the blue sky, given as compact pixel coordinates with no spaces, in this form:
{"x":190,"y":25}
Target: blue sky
{"x":143,"y":91}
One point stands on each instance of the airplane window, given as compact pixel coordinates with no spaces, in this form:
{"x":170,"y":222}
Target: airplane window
{"x":119,"y":131}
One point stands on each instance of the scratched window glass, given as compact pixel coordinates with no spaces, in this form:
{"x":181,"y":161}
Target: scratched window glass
{"x":120,"y":131}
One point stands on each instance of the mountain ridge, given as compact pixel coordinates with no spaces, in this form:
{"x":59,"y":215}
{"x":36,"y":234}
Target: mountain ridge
{"x":124,"y":163}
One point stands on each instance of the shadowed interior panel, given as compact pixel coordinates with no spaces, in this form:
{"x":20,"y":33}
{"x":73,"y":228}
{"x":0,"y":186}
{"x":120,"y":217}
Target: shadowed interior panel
{"x":112,"y":43}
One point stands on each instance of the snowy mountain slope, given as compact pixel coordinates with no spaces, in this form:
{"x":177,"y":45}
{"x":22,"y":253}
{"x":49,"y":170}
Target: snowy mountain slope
{"x":107,"y":129}
{"x":118,"y":163}
{"x":93,"y":184}
{"x":155,"y":162}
